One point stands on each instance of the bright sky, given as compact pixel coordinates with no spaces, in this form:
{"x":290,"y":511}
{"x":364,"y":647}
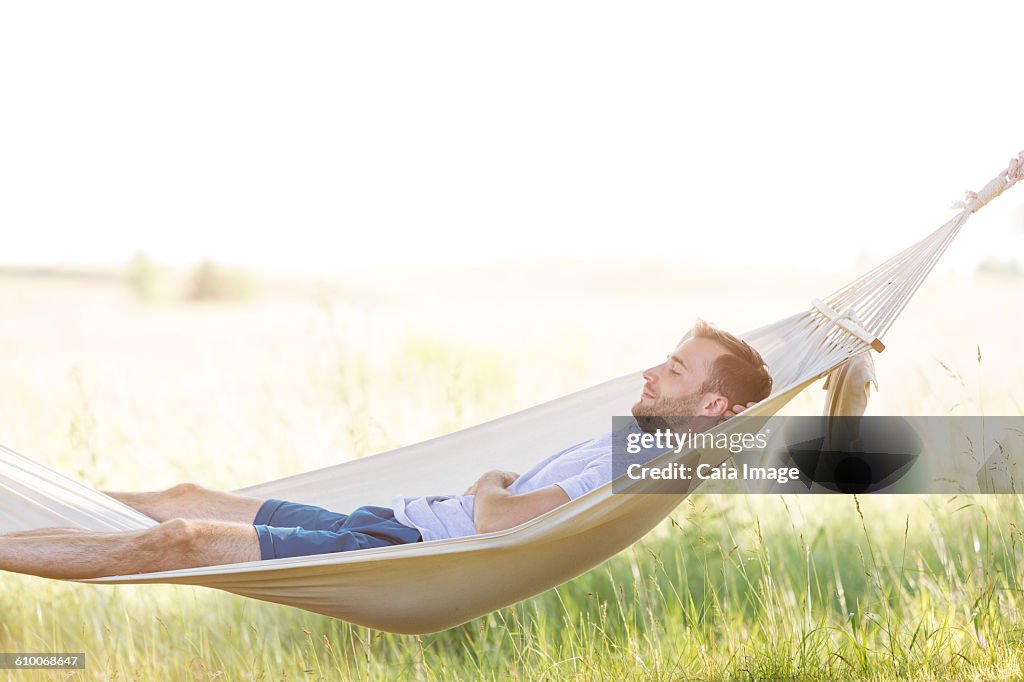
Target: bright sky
{"x":321,"y":135}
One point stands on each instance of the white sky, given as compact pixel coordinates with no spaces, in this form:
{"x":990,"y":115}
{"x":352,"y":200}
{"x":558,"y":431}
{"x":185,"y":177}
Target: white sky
{"x":321,"y":135}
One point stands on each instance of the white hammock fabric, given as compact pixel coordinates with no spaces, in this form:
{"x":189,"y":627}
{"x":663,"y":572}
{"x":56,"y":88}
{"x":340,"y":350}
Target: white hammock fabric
{"x":426,"y":587}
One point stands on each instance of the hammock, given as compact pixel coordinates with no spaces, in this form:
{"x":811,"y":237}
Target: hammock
{"x":431,"y":586}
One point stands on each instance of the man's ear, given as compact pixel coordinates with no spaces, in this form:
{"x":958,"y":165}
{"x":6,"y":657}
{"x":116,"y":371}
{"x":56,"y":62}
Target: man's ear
{"x":715,"y":405}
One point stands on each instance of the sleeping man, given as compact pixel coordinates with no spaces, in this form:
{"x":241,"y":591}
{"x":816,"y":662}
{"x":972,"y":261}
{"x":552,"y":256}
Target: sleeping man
{"x":710,"y":373}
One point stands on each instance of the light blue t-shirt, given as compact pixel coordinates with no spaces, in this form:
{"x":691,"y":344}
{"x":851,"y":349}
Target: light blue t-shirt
{"x":576,"y":470}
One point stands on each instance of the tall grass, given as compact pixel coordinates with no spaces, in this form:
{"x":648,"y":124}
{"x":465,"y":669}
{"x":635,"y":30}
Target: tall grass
{"x":762,"y":588}
{"x":729,"y":587}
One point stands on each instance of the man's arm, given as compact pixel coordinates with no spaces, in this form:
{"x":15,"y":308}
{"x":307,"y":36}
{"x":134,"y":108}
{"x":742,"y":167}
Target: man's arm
{"x":495,"y":508}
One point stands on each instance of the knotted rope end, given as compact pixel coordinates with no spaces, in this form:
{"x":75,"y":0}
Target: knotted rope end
{"x":999,"y":184}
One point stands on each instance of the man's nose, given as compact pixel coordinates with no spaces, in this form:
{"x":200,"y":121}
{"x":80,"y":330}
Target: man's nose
{"x":650,"y":375}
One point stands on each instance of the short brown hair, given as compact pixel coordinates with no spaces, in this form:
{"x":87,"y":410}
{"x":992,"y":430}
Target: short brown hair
{"x":740,"y":374}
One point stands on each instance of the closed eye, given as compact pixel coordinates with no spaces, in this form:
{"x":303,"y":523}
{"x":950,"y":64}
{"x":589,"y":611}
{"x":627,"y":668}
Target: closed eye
{"x":674,"y":361}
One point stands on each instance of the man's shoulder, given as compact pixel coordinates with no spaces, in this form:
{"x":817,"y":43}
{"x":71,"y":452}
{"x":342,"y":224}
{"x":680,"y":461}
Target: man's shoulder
{"x":609,"y":438}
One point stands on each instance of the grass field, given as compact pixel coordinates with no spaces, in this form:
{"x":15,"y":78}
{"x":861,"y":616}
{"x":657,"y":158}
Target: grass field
{"x":131,"y":395}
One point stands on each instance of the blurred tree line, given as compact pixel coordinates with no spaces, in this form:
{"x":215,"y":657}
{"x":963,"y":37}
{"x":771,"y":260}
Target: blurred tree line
{"x":208,"y":281}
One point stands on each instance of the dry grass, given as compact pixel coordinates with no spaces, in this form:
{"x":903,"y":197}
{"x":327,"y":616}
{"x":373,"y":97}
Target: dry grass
{"x":127,"y":394}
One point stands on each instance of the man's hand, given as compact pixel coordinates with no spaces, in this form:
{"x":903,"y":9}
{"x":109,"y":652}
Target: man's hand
{"x":494,"y":477}
{"x":495,"y":507}
{"x":736,"y":409}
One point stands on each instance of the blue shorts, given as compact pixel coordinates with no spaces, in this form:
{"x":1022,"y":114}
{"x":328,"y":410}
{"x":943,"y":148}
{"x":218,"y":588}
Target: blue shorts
{"x":288,"y":529}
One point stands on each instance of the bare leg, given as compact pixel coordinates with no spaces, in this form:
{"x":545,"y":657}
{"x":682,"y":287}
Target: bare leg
{"x":192,"y":501}
{"x":45,"y":531}
{"x":178,"y":543}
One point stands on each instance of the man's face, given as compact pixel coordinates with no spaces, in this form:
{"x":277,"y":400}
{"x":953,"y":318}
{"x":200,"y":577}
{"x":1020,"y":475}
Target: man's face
{"x":673,"y":387}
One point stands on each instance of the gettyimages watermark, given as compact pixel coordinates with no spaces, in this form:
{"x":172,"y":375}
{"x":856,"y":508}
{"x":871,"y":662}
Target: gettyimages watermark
{"x":816,"y":455}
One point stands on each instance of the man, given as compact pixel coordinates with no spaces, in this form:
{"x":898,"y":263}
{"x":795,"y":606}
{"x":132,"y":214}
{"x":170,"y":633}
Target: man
{"x":709,"y":371}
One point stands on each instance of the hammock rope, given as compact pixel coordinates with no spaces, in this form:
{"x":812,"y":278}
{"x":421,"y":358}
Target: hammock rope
{"x":432,"y":586}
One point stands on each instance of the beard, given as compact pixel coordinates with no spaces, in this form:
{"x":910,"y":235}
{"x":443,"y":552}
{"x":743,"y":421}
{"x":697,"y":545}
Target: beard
{"x":675,"y":414}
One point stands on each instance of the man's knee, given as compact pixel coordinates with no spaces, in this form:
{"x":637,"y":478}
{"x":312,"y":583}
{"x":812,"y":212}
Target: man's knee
{"x":174,"y":535}
{"x":186,"y":490}
{"x":181,"y":543}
